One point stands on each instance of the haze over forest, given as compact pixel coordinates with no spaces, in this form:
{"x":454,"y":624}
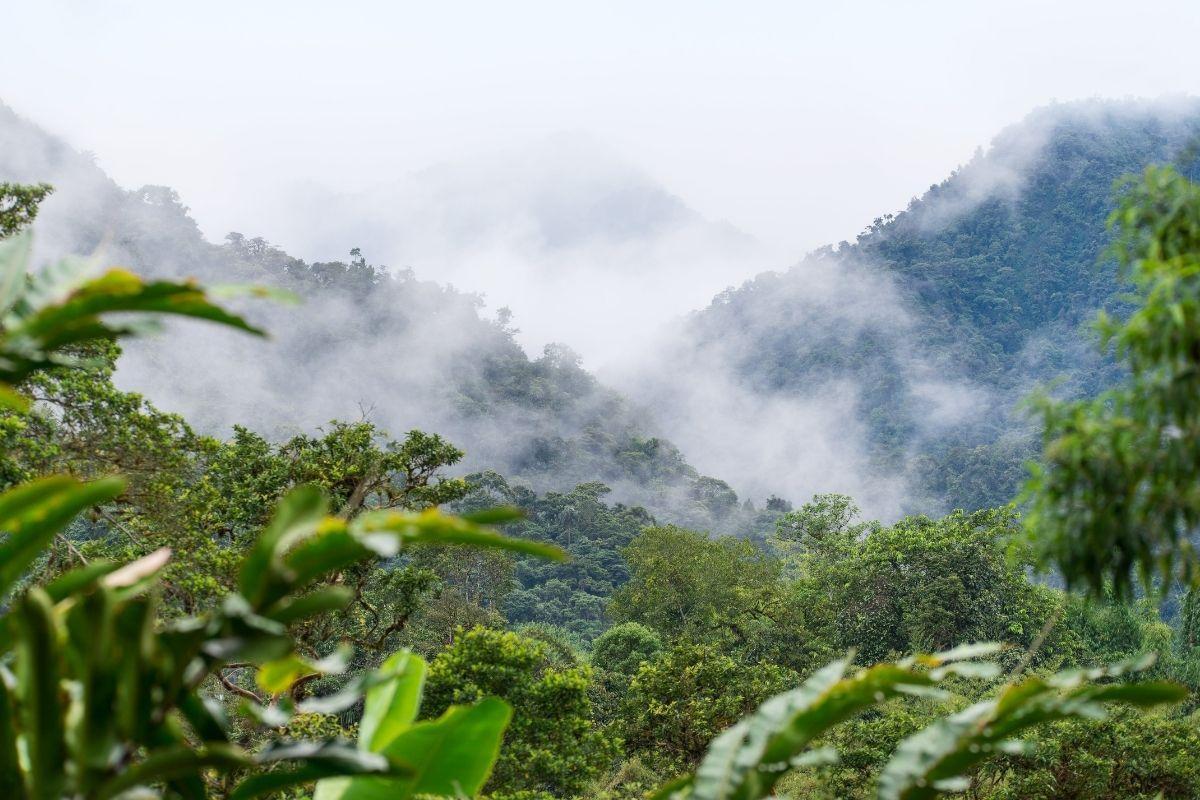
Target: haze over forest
{"x":625,"y":368}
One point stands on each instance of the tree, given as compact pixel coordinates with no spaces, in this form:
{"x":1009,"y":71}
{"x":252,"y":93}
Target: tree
{"x":1115,"y":495}
{"x":19,"y":205}
{"x":621,"y":649}
{"x":925,"y":585}
{"x":617,"y":655}
{"x":685,"y":585}
{"x":685,"y":696}
{"x":749,"y":760}
{"x":106,"y":699}
{"x":1127,"y":756}
{"x":573,"y":594}
{"x":552,"y":747}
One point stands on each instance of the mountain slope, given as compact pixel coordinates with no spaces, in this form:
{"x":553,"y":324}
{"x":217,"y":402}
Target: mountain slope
{"x":930,"y":328}
{"x":407,"y":352}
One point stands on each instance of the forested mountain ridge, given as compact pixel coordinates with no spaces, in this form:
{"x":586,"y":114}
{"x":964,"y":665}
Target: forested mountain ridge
{"x":409,"y":353}
{"x":944,"y":316}
{"x":252,"y":637}
{"x":888,"y":368}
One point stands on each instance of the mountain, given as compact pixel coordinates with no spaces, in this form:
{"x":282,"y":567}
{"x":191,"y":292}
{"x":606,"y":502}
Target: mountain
{"x":889,"y":368}
{"x":406,"y":352}
{"x":913,"y":346}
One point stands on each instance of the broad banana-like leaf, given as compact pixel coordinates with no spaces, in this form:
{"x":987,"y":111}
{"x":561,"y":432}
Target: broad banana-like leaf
{"x":939,"y":758}
{"x":390,"y":530}
{"x":451,"y":756}
{"x":391,"y":706}
{"x":746,"y":761}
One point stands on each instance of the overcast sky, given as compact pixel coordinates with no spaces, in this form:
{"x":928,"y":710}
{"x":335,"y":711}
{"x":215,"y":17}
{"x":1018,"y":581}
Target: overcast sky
{"x":797,"y":122}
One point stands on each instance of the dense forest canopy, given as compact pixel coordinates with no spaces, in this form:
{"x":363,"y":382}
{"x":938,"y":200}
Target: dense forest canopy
{"x":388,"y":554}
{"x":939,"y":319}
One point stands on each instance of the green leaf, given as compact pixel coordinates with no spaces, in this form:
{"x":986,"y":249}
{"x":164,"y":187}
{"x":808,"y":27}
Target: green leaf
{"x":432,"y":527}
{"x":330,"y":550}
{"x":317,"y":602}
{"x":297,"y":516}
{"x":78,"y":580}
{"x":32,"y":513}
{"x":92,"y":642}
{"x":39,"y":672}
{"x":316,"y":760}
{"x":451,"y":756}
{"x":119,"y":290}
{"x":170,"y":763}
{"x":14,"y":262}
{"x":499,"y":515}
{"x":943,"y":754}
{"x":279,"y":675}
{"x":391,"y":705}
{"x":749,"y":759}
{"x":12,"y":784}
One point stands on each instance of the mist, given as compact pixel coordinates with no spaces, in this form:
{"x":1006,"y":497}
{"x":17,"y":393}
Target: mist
{"x":562,"y":202}
{"x":533,"y":246}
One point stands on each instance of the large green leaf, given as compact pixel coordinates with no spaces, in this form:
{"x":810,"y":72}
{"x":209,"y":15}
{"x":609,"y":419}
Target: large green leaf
{"x":432,"y":527}
{"x":39,"y":674}
{"x":319,"y":601}
{"x":12,"y":784}
{"x":391,"y":706}
{"x":297,"y":516}
{"x":939,"y":758}
{"x":94,"y":649}
{"x":451,"y":756}
{"x":32,"y":513}
{"x":59,"y":307}
{"x":119,"y":290}
{"x":746,"y":761}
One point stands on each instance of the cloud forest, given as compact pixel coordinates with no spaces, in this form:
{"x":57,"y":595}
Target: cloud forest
{"x":522,"y":476}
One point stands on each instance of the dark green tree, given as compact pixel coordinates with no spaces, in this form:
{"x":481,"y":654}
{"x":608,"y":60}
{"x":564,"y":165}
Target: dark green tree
{"x":552,"y":748}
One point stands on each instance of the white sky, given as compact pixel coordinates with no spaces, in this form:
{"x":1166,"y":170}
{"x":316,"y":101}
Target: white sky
{"x":797,"y":121}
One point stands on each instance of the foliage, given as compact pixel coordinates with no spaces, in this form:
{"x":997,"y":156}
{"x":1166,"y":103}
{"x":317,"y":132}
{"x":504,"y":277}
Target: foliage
{"x":47,"y":313}
{"x":573,"y":594}
{"x":1126,"y":756}
{"x":1117,"y":491}
{"x":616,"y":657}
{"x":685,"y":696}
{"x":452,"y":755}
{"x":925,"y":584}
{"x":751,"y":757}
{"x":622,"y":649}
{"x":106,"y":697}
{"x":990,"y":280}
{"x":685,"y":585}
{"x":140,"y":716}
{"x":551,"y":747}
{"x":19,"y":205}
